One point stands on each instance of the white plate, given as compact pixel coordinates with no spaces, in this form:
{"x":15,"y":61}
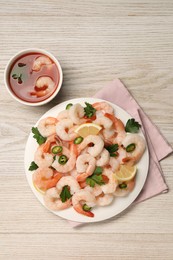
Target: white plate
{"x":100,"y":213}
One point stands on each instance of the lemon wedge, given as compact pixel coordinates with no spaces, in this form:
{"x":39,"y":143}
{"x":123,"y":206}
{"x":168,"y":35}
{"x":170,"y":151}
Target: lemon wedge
{"x":88,"y":129}
{"x":41,"y":191}
{"x":125,"y":173}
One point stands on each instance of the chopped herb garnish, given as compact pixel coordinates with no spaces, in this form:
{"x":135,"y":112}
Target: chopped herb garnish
{"x":86,"y":207}
{"x":20,"y":64}
{"x":18,"y":77}
{"x":15,"y":76}
{"x":89,"y":110}
{"x":112,"y":150}
{"x":65,"y":194}
{"x":98,"y":170}
{"x":39,"y":138}
{"x":132,"y":126}
{"x":33,"y":166}
{"x":95,"y":178}
{"x":113,"y":154}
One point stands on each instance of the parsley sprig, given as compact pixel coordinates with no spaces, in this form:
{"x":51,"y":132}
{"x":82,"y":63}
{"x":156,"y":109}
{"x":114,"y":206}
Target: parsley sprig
{"x":112,"y":149}
{"x":95,"y":178}
{"x":89,"y":110}
{"x":132,"y":126}
{"x":18,"y":77}
{"x":39,"y":138}
{"x":65,"y":194}
{"x":33,"y":166}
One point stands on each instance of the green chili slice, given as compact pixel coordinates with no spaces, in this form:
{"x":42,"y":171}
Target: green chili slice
{"x":69,"y":106}
{"x":62,"y":159}
{"x":123,"y":186}
{"x":86,"y":207}
{"x":57,"y":149}
{"x":130,"y":148}
{"x":78,"y":140}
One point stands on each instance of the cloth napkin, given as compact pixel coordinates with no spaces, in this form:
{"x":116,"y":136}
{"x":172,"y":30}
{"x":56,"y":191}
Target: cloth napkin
{"x":159,"y":148}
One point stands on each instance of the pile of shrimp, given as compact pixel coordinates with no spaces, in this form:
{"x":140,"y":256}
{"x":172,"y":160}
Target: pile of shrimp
{"x":83,"y":158}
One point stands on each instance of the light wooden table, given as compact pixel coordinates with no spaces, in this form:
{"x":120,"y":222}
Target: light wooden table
{"x":95,"y":41}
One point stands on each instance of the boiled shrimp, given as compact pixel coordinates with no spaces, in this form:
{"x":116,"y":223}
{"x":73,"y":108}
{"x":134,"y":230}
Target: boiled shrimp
{"x":103,"y":106}
{"x":104,"y":200}
{"x":111,"y":185}
{"x":109,"y":133}
{"x":51,"y":141}
{"x":43,"y":86}
{"x":46,"y":126}
{"x":97,"y":147}
{"x":140,"y":145}
{"x":70,"y":182}
{"x":39,"y":62}
{"x":76,"y":114}
{"x":103,"y":121}
{"x":63,"y":115}
{"x":85,"y":164}
{"x":53,"y":202}
{"x":82,"y":197}
{"x":103,"y":158}
{"x":42,"y":158}
{"x":74,"y":173}
{"x":62,"y":130}
{"x":115,"y":162}
{"x":46,"y":178}
{"x":96,"y":190}
{"x":125,"y":191}
{"x":70,"y":164}
{"x":119,"y":127}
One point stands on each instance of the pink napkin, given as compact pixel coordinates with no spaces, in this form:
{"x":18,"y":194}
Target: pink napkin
{"x":155,"y":184}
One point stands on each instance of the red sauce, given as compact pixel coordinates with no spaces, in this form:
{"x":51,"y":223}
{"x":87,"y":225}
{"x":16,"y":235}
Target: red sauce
{"x":22,"y":79}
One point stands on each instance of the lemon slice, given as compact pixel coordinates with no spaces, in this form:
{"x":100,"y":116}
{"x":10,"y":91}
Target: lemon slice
{"x":88,"y":129}
{"x":125,"y":173}
{"x":41,"y":191}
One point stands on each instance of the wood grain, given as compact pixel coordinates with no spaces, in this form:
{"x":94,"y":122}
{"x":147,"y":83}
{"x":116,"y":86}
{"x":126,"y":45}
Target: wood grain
{"x":95,"y":42}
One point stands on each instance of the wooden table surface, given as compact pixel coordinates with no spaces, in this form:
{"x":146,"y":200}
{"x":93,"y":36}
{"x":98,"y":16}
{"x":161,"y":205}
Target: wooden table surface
{"x":95,"y":41}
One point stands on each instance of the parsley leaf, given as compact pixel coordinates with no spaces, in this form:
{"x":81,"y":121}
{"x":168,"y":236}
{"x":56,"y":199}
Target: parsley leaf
{"x":113,"y":154}
{"x":39,"y":138}
{"x":90,"y":182}
{"x":95,"y":178}
{"x":33,"y":166}
{"x":98,"y":170}
{"x":89,"y":110}
{"x":20,"y":64}
{"x":132,"y":126}
{"x":65,"y":194}
{"x":112,"y":148}
{"x":18,"y":77}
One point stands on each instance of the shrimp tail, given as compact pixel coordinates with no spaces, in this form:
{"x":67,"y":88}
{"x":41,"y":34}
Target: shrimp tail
{"x":73,"y":148}
{"x":46,"y":147}
{"x":82,"y":177}
{"x":117,"y":122}
{"x":79,"y":209}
